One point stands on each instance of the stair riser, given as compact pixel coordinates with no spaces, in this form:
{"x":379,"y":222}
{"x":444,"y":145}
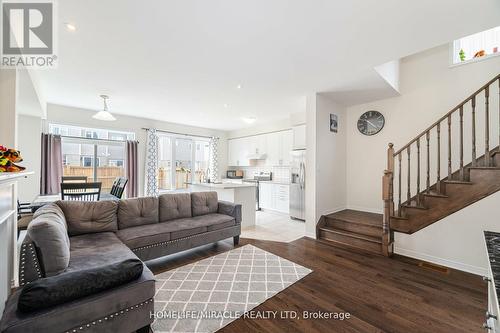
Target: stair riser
{"x":496,"y":160}
{"x":350,"y":241}
{"x":476,"y":175}
{"x":362,"y":229}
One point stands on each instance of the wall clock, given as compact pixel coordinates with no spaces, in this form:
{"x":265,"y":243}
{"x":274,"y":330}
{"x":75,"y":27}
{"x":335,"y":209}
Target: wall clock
{"x":371,"y":122}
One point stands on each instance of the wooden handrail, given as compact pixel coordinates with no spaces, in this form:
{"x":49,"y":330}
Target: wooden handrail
{"x":477,"y":92}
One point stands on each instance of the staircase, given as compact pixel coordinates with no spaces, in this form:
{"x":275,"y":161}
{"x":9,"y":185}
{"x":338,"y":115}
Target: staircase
{"x":444,"y":169}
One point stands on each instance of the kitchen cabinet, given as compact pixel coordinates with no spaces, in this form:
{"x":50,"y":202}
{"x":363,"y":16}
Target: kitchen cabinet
{"x":238,"y":151}
{"x":274,"y":196}
{"x":275,"y":146}
{"x":266,"y":195}
{"x":299,"y":137}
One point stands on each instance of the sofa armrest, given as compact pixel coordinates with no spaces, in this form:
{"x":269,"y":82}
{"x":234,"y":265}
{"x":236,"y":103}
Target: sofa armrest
{"x":231,"y":209}
{"x":30,"y":268}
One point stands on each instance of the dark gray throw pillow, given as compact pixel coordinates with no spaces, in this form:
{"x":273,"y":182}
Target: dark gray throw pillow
{"x":46,"y":292}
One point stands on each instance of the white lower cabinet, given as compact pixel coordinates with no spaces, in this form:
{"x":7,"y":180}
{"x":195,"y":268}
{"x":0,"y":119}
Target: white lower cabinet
{"x":275,"y":197}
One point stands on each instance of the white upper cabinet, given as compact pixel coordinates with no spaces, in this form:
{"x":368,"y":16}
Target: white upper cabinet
{"x":275,"y":146}
{"x":299,"y":137}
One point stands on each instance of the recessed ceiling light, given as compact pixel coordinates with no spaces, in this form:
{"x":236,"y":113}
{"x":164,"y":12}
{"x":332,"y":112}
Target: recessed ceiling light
{"x":70,"y":27}
{"x":226,"y":105}
{"x":238,"y":86}
{"x":249,"y":120}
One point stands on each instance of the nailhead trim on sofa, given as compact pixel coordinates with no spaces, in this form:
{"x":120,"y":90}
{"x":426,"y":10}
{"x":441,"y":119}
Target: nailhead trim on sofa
{"x":167,"y":242}
{"x":31,"y":252}
{"x":109,"y":317}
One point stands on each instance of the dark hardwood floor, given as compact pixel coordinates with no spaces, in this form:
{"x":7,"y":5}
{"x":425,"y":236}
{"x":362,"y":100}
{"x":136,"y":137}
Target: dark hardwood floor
{"x":381,"y":294}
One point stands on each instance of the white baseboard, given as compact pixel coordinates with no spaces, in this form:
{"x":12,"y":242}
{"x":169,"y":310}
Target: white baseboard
{"x":440,"y":261}
{"x":311,"y":235}
{"x":366,"y":209}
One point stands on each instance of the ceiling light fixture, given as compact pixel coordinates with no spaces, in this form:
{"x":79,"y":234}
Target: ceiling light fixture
{"x":70,"y":27}
{"x":238,"y":86}
{"x":226,"y":105}
{"x":249,"y":120}
{"x":104,"y":115}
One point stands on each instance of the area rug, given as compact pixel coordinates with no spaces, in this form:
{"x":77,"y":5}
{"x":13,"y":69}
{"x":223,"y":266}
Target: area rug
{"x":209,"y":294}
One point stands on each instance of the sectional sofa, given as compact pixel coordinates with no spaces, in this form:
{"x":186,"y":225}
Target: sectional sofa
{"x":80,"y":238}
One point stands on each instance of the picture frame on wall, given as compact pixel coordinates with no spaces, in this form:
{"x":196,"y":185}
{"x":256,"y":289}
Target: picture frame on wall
{"x":334,"y":123}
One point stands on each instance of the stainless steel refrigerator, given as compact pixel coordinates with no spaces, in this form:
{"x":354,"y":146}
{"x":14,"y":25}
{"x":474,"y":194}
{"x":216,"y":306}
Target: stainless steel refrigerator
{"x":298,"y":185}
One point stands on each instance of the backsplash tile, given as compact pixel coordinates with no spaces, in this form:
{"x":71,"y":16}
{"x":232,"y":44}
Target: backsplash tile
{"x":281,"y":174}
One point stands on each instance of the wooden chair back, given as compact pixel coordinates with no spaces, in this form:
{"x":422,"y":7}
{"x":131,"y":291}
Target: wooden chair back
{"x":81,"y":191}
{"x":74,"y":179}
{"x":119,"y":187}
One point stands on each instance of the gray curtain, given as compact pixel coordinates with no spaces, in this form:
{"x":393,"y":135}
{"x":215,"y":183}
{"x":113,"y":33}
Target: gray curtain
{"x":151,"y":167}
{"x":51,"y":165}
{"x":132,"y":169}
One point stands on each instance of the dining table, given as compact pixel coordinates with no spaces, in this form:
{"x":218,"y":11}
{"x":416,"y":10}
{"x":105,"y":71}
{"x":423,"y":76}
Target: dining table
{"x":44,"y":199}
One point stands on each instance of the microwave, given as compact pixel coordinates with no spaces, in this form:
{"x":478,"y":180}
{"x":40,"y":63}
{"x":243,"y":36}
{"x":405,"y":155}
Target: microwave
{"x":234,"y":174}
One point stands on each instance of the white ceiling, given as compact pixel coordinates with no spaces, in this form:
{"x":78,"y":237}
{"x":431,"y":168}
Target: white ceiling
{"x":181,"y":61}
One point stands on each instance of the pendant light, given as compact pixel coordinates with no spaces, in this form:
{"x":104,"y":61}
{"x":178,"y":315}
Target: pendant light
{"x":104,"y":115}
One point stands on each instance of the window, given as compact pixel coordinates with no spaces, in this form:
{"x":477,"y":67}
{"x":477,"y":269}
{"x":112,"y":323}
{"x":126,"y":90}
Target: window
{"x":98,"y":154}
{"x":182,"y":160}
{"x":477,"y":46}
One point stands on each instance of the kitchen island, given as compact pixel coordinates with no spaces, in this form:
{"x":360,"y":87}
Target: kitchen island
{"x":243,"y":194}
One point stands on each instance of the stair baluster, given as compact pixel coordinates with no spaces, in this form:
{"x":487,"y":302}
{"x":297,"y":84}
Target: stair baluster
{"x":399,"y":184}
{"x":438,"y":171}
{"x":408,"y":190}
{"x":418,"y":172}
{"x":486,"y":127}
{"x":449,"y":147}
{"x":473,"y":101}
{"x":461,"y":143}
{"x":428,"y":176}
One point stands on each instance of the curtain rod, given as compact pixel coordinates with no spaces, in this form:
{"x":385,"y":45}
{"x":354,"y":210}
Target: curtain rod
{"x":184,"y":134}
{"x":94,"y":139}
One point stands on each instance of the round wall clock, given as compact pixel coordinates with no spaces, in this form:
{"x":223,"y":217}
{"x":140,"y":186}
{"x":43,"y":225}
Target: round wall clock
{"x":371,"y":122}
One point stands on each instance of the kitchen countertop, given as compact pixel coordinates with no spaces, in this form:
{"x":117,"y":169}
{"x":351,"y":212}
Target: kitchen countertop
{"x":493,"y":247}
{"x":222,"y":185}
{"x":279,"y":182}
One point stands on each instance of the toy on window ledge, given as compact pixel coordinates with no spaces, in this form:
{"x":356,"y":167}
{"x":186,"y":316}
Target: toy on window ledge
{"x":8,"y":158}
{"x":480,"y":54}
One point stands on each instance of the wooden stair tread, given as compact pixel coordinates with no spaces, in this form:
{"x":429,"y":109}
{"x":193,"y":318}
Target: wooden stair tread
{"x":484,"y":167}
{"x":435,"y":195}
{"x":358,"y":217}
{"x":458,"y":182}
{"x":411,"y":206}
{"x":352,"y":234}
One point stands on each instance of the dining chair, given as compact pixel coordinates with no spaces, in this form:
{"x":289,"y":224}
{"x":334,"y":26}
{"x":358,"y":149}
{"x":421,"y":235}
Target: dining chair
{"x":81,"y":191}
{"x":74,"y":179}
{"x":118,"y":187}
{"x":24,"y":215}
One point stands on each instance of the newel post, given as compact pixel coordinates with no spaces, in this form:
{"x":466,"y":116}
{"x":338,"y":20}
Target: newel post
{"x":388,"y":197}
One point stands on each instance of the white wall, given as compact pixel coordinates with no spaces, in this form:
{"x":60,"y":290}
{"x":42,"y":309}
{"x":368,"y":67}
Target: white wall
{"x":81,"y":117}
{"x":29,"y":145}
{"x":429,"y":88}
{"x":326,"y":156}
{"x":8,"y":93}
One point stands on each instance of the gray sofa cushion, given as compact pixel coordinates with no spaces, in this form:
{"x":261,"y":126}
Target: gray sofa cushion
{"x":144,"y":235}
{"x":174,"y":206}
{"x":231,"y":209}
{"x":204,"y":203}
{"x":137,"y":211}
{"x":98,"y":249}
{"x":156,"y":233}
{"x":48,"y":292}
{"x":84,"y":217}
{"x":79,"y":313}
{"x":54,"y":212}
{"x":51,"y":238}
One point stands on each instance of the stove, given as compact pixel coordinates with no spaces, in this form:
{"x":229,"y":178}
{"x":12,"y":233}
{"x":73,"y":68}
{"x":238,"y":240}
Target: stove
{"x":257,"y":177}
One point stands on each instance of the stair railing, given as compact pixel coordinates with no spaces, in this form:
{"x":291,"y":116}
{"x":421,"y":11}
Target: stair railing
{"x":395,"y":159}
